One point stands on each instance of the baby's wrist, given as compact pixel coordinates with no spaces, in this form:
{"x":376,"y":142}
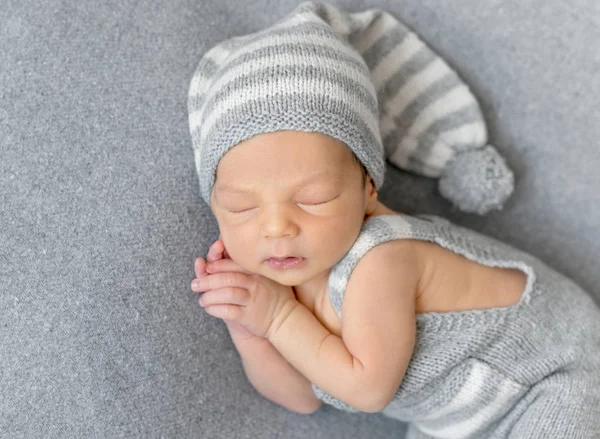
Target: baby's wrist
{"x":285,"y":311}
{"x":239,"y":333}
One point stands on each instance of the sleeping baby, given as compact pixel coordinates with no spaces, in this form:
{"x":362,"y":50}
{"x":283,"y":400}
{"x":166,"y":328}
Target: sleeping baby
{"x":329,"y":295}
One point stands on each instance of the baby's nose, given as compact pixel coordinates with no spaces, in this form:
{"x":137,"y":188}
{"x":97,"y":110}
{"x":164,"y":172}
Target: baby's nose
{"x":279,"y":223}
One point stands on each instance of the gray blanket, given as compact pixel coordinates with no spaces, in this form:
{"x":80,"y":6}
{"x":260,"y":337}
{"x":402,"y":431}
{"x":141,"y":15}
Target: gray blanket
{"x":101,"y":218}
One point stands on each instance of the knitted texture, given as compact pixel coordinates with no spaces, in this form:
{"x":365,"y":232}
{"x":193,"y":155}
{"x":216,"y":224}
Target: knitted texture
{"x":530,"y":370}
{"x":363,"y":78}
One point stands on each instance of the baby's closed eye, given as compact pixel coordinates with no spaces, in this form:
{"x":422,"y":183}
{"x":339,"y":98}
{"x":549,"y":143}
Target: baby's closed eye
{"x":305,"y":202}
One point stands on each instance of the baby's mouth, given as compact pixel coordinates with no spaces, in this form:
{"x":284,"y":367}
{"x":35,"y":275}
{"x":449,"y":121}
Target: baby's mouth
{"x":285,"y":263}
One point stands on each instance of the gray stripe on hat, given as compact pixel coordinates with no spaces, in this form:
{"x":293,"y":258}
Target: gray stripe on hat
{"x":317,"y":30}
{"x":416,"y":64}
{"x":406,"y":118}
{"x":293,"y":102}
{"x":312,"y":49}
{"x":384,"y":45}
{"x":205,"y":71}
{"x":305,"y":74}
{"x":457,"y":118}
{"x":358,"y":29}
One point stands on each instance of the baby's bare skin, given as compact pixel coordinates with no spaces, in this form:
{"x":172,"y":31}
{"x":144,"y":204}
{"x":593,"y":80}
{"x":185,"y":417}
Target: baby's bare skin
{"x":448,"y":282}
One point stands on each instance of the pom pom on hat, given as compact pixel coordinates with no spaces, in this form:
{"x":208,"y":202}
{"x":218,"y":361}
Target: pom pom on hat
{"x":477,"y":180}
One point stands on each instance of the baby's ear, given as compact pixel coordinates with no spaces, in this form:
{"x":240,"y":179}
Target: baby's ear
{"x":371,"y":188}
{"x":370,"y":194}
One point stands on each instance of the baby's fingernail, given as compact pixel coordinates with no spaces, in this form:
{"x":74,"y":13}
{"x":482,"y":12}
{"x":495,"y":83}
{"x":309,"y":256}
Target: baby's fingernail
{"x":209,"y":268}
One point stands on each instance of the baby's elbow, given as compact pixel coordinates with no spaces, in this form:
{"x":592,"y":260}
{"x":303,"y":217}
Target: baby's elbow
{"x":308,"y":408}
{"x":373,"y":407}
{"x":376,"y":406}
{"x":375,"y":400}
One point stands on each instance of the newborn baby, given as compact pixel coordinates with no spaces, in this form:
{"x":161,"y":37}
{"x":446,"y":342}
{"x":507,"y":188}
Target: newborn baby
{"x":438,"y":325}
{"x":331,"y":296}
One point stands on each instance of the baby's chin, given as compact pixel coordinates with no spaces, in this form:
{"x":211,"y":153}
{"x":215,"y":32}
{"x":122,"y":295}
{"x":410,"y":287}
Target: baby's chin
{"x":289,"y":277}
{"x":286,"y":277}
{"x":292,"y":278}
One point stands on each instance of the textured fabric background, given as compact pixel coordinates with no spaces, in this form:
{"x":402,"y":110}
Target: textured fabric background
{"x":101,"y":217}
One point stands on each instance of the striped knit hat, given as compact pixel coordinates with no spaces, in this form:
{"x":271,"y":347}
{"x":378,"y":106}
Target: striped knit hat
{"x":362,"y":78}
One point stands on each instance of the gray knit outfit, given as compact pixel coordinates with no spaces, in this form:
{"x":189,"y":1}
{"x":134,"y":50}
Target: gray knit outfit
{"x":530,"y":370}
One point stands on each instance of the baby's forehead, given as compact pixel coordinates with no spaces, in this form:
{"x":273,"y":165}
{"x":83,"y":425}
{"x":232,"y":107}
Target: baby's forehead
{"x":306,"y":150}
{"x":257,"y":182}
{"x":287,"y":158}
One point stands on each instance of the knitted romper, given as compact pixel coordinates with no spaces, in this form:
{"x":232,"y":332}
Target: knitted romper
{"x":530,"y":370}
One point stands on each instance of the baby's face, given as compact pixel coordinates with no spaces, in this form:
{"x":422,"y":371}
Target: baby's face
{"x":290,"y":193}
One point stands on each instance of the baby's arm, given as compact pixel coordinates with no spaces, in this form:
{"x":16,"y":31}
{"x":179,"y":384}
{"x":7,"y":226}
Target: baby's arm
{"x":365,"y":366}
{"x":271,"y":375}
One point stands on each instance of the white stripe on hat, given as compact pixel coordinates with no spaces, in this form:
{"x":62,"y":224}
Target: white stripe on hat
{"x":377,"y":29}
{"x":337,"y":21}
{"x":469,"y":135}
{"x":474,"y":133}
{"x":435,"y":161}
{"x":200,"y":82}
{"x":412,"y":90}
{"x":402,"y":152}
{"x":395,"y":59}
{"x":455,"y":100}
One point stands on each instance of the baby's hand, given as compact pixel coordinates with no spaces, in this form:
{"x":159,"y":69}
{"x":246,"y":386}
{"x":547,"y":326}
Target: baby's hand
{"x":217,"y":252}
{"x":234,"y":294}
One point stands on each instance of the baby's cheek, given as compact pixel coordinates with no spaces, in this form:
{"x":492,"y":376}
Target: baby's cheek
{"x":241,"y":252}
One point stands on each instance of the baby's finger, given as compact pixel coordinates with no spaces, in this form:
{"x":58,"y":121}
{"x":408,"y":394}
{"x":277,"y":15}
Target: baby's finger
{"x":225,"y":312}
{"x":224,"y":265}
{"x":228,"y":295}
{"x":199,"y":267}
{"x":196,"y":288}
{"x":215,"y":252}
{"x":221,"y":280}
{"x":225,"y":254}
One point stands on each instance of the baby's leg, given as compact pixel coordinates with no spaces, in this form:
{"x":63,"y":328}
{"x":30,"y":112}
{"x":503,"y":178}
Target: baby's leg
{"x":561,"y":407}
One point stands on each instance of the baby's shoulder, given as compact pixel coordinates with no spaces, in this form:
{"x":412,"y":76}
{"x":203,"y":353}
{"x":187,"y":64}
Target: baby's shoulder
{"x":395,"y":255}
{"x":392,"y":250}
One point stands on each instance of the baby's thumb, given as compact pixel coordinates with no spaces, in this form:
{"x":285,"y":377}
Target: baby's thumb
{"x":215,"y":252}
{"x":225,"y":254}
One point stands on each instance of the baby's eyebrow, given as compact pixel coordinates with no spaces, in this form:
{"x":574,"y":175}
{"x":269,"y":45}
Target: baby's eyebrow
{"x":315,"y":178}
